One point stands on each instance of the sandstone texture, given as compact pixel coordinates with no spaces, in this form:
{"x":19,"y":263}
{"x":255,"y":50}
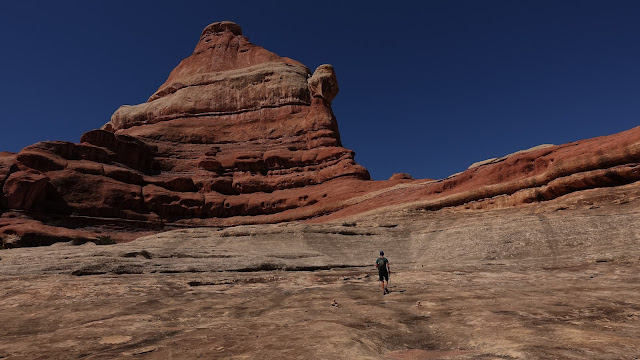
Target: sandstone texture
{"x":400,"y":176}
{"x":556,"y":279}
{"x":246,"y":230}
{"x":239,"y":135}
{"x":527,"y":177}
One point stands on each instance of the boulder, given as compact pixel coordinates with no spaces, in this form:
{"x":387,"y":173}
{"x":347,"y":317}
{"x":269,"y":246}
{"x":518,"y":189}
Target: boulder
{"x":19,"y":232}
{"x":23,"y":188}
{"x":90,"y":195}
{"x":324,"y":83}
{"x":7,"y":167}
{"x":400,"y":176}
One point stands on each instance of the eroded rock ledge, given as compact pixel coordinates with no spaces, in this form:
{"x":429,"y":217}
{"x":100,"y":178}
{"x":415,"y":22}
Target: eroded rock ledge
{"x":240,"y":135}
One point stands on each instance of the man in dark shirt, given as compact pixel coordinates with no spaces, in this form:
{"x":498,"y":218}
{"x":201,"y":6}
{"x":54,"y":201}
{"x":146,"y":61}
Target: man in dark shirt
{"x":383,"y":272}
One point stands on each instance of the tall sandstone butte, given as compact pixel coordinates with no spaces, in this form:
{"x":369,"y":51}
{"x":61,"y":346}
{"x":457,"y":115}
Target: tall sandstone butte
{"x":240,"y":135}
{"x":235,"y":131}
{"x":232,"y":129}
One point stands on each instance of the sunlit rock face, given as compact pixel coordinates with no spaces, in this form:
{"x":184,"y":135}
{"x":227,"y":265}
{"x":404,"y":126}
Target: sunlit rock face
{"x":235,"y":131}
{"x":240,"y":135}
{"x":235,"y":119}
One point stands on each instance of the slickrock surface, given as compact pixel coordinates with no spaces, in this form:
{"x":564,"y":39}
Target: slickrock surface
{"x":275,"y":228}
{"x":239,"y":135}
{"x":550,"y":280}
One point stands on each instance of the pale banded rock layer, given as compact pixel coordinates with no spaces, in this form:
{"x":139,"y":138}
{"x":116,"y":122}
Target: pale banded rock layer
{"x":240,"y":135}
{"x":236,"y":131}
{"x":230,"y":92}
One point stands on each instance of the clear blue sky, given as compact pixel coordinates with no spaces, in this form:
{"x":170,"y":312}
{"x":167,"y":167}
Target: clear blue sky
{"x":426,"y":87}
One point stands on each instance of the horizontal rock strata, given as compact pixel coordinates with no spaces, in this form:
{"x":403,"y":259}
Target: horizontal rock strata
{"x":240,"y":135}
{"x":235,"y":132}
{"x":540,"y":174}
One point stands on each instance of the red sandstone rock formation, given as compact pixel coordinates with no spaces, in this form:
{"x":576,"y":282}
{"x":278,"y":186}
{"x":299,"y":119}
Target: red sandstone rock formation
{"x":235,"y":131}
{"x":400,"y":176}
{"x":539,"y":174}
{"x":239,"y":135}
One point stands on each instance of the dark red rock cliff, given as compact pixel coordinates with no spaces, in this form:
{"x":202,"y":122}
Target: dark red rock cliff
{"x":235,"y":131}
{"x":240,"y":135}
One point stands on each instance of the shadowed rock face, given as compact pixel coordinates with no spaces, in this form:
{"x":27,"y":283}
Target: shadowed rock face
{"x":240,"y":135}
{"x":235,"y":131}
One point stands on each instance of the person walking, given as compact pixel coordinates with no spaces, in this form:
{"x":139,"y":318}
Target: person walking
{"x":382,"y":263}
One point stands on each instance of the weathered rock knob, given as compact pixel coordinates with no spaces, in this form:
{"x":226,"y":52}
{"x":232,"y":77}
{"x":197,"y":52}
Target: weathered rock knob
{"x":222,"y":26}
{"x":323,"y":83}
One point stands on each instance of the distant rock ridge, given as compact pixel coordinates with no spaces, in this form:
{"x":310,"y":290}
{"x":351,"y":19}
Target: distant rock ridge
{"x":239,"y":135}
{"x":495,"y":160}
